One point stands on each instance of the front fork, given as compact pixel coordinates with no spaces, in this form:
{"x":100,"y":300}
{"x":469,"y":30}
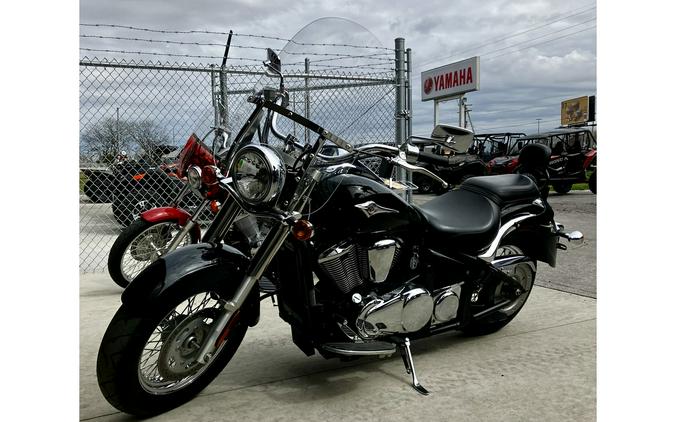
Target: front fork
{"x":262,"y":258}
{"x":191,"y":222}
{"x":259,"y":263}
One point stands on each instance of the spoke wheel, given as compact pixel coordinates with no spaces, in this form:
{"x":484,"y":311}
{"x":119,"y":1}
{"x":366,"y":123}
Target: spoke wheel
{"x":147,"y":362}
{"x":139,"y":245}
{"x":169,"y":359}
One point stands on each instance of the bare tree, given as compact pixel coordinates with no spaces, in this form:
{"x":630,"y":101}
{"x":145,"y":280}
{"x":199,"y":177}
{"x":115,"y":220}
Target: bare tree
{"x":107,"y":139}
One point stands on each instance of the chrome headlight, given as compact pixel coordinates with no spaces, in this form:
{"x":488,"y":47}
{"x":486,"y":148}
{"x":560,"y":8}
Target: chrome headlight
{"x":258,"y":173}
{"x":194,"y":177}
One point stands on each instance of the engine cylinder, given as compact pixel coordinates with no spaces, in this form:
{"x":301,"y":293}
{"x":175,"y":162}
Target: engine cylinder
{"x":346,"y":264}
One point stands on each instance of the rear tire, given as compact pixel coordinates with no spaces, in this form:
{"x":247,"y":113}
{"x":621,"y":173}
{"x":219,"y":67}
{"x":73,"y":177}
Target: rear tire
{"x":592,"y":182}
{"x":140,"y":244}
{"x":146,"y":384}
{"x":498,"y":320}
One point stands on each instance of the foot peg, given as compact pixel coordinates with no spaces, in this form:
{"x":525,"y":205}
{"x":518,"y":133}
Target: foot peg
{"x":410,"y":367}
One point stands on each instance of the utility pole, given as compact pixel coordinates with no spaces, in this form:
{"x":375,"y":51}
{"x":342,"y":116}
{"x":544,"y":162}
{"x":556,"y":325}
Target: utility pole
{"x":538,"y":120}
{"x":117,"y":130}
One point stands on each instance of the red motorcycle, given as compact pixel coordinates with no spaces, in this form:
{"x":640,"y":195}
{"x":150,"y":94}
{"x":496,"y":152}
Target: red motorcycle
{"x":163,"y":229}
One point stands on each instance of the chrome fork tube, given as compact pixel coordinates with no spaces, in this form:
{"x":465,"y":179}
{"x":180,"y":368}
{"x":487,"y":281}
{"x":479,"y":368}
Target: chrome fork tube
{"x":187,"y":227}
{"x":259,"y":263}
{"x":181,"y":195}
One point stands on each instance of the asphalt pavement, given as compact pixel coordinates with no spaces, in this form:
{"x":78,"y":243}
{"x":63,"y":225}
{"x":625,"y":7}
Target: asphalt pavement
{"x":541,"y":367}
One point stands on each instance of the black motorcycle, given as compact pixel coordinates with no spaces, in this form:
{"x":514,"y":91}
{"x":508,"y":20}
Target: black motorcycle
{"x":356,"y":270}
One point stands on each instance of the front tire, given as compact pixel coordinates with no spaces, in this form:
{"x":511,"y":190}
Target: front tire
{"x":139,"y":245}
{"x":562,"y":187}
{"x":147,"y":359}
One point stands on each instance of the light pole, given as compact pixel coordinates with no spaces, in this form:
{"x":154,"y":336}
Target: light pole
{"x":538,"y":120}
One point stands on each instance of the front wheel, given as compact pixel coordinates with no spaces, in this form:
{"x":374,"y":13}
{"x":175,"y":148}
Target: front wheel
{"x":562,"y":187}
{"x":147,"y":362}
{"x":140,"y":244}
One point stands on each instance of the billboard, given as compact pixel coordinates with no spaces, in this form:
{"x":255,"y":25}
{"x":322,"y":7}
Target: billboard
{"x":577,"y":111}
{"x":451,"y":80}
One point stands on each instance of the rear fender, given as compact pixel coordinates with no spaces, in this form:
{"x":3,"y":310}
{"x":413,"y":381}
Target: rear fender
{"x":220,"y":268}
{"x":589,"y":158}
{"x":537,"y":240}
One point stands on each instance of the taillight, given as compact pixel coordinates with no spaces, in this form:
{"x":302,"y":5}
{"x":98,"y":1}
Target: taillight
{"x":138,"y":177}
{"x":511,"y":165}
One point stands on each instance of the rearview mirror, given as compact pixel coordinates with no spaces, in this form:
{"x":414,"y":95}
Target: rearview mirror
{"x":273,"y":61}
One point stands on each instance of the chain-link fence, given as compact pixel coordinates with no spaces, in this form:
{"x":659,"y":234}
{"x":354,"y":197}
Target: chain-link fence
{"x":136,"y":116}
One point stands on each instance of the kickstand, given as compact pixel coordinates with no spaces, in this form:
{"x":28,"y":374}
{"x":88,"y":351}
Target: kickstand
{"x":410,"y":367}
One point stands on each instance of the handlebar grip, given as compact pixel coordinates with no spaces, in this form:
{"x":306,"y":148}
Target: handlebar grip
{"x":429,"y":157}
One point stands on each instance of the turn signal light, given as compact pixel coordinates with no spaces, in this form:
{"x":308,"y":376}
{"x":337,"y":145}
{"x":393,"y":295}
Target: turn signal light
{"x":215,"y":206}
{"x":302,"y":230}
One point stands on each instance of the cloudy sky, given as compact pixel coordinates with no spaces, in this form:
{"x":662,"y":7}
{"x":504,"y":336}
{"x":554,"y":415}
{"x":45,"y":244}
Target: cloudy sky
{"x":534,"y":53}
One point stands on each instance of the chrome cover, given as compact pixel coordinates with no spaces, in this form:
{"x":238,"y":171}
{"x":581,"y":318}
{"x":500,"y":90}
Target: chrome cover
{"x":381,"y":258}
{"x":406,"y":309}
{"x":446,"y":303}
{"x":503,"y":231}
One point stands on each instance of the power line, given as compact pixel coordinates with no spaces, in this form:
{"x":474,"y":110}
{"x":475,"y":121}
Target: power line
{"x":531,"y":107}
{"x":539,"y":37}
{"x":419,"y":75}
{"x":515,"y":34}
{"x":541,"y":43}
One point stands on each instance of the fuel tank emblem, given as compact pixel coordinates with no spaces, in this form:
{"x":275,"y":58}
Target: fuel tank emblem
{"x":370,"y":208}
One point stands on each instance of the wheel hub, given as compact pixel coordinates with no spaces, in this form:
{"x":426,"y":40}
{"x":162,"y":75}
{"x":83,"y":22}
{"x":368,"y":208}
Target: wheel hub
{"x":178,"y":356}
{"x":151,"y":245}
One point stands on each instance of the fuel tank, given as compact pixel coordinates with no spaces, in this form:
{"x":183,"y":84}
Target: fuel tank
{"x":353,"y":205}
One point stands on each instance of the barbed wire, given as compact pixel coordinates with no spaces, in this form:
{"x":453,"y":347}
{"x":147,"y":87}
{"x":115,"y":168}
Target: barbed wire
{"x":267,"y":37}
{"x":374,"y":56}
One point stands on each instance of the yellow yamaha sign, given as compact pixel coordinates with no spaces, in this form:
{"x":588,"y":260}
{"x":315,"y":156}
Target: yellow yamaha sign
{"x":576,"y":111}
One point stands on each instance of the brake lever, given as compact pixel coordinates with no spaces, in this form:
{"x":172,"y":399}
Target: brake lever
{"x":403,"y":163}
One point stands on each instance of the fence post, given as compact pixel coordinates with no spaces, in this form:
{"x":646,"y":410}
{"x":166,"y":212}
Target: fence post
{"x":400,"y":113}
{"x":307,"y":97}
{"x":222,"y":103}
{"x":214,"y":96}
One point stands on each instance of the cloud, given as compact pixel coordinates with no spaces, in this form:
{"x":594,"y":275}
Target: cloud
{"x":524,"y":81}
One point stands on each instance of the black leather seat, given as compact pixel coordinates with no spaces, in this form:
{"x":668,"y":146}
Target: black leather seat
{"x":504,"y":189}
{"x":461,"y":220}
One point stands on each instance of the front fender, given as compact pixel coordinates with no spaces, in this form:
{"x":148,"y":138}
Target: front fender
{"x":219,"y":268}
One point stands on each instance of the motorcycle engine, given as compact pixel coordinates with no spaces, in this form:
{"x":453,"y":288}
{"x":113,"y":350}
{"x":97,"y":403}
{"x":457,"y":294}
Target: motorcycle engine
{"x":405,"y":309}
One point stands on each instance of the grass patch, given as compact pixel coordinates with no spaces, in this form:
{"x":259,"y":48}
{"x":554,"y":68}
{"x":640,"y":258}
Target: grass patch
{"x":83,"y":180}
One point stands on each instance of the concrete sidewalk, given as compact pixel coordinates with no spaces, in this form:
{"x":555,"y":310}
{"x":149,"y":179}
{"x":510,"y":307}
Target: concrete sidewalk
{"x":541,"y":367}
